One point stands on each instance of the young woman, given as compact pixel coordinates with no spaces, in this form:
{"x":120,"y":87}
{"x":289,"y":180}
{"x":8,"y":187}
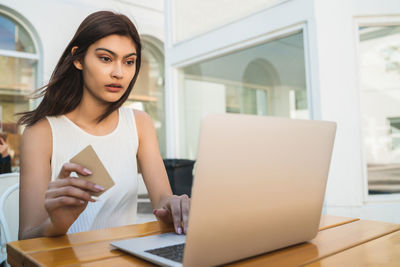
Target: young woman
{"x":82,"y":105}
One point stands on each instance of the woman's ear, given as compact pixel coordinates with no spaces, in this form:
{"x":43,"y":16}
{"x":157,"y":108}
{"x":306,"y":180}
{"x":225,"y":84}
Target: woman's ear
{"x":77,"y":62}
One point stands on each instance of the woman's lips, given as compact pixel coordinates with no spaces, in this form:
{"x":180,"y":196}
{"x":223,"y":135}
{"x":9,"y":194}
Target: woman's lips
{"x":114,"y":87}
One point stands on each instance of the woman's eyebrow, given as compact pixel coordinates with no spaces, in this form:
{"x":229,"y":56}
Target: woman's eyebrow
{"x":113,"y":53}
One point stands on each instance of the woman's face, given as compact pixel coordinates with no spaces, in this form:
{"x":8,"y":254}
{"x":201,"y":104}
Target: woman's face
{"x":108,"y":67}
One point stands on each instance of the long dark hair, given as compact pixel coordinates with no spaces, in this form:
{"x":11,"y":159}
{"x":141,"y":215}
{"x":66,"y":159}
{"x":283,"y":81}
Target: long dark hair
{"x":64,"y":91}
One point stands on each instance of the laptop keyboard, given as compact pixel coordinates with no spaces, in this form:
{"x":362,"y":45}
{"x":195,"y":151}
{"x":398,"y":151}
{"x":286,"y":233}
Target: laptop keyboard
{"x":174,"y":252}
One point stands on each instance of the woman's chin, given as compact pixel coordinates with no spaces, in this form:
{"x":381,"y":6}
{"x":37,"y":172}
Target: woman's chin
{"x":112,"y":98}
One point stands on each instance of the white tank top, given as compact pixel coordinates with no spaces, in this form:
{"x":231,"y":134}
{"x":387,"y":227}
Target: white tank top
{"x":117,"y":150}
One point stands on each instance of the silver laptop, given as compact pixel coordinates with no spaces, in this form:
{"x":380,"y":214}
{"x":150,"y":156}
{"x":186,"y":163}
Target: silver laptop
{"x":259,"y":186}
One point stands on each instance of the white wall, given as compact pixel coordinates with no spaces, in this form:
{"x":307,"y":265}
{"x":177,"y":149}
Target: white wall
{"x":194,"y":17}
{"x":336,"y":44}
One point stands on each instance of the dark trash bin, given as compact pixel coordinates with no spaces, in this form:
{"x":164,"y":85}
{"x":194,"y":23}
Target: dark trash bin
{"x":180,"y":175}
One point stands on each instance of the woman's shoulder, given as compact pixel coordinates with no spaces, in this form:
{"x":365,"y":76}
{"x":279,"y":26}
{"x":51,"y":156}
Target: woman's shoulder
{"x":144,"y":123}
{"x":141,"y":115}
{"x":37,"y":140}
{"x":40,"y":130}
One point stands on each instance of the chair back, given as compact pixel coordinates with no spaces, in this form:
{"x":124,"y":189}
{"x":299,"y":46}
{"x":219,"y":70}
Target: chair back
{"x":7,"y":180}
{"x":9,"y":206}
{"x":9,"y":213}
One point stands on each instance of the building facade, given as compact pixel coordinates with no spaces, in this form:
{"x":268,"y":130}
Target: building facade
{"x":309,"y":59}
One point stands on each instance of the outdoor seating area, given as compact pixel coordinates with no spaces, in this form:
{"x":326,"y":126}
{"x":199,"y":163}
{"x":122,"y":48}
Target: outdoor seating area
{"x":237,"y":133}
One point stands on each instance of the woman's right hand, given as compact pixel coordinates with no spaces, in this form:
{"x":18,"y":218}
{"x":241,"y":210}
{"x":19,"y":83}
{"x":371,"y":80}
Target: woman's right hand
{"x":66,"y":197}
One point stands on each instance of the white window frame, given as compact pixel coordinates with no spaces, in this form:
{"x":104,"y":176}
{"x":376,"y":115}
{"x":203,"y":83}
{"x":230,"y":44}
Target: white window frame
{"x":4,"y":11}
{"x":370,"y":21}
{"x":221,"y":41}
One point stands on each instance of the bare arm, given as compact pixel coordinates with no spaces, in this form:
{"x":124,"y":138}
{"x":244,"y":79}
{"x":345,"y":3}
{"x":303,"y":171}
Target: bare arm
{"x":167,"y":207}
{"x":35,"y":175}
{"x":48,"y":208}
{"x":150,"y":161}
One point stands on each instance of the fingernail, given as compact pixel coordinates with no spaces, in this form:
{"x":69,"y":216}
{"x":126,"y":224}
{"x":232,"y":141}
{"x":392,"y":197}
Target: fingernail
{"x":94,"y":198}
{"x":81,"y":201}
{"x":155,"y":212}
{"x":179,"y":230}
{"x":99,"y":187}
{"x":87,"y":171}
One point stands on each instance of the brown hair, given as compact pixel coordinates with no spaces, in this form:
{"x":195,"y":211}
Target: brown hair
{"x":64,"y":91}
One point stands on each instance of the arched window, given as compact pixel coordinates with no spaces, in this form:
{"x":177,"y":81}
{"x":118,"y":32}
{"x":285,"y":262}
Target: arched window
{"x":148,"y":92}
{"x":260,"y":80}
{"x":18,"y":78}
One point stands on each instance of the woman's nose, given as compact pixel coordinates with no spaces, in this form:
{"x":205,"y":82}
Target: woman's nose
{"x":117,"y":71}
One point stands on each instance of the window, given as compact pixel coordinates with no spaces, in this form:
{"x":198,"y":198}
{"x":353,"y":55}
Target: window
{"x":395,"y":132}
{"x":266,"y":79}
{"x":18,"y":72}
{"x":379,"y":52}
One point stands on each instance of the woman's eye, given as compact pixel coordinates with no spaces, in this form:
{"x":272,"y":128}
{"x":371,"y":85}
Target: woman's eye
{"x":130,"y":62}
{"x":106,"y":59}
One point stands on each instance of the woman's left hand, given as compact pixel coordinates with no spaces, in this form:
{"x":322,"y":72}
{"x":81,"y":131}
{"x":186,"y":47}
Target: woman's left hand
{"x":176,"y":212}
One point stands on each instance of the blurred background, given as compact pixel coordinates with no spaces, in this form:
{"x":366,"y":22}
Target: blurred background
{"x":336,"y":60}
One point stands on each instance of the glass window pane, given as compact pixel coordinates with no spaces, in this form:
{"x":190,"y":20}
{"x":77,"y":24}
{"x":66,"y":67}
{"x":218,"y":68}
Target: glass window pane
{"x":267,"y":79}
{"x":14,"y":37}
{"x":17,"y":75}
{"x":17,"y":80}
{"x":148,"y":92}
{"x":10,"y":105}
{"x":380,"y":106}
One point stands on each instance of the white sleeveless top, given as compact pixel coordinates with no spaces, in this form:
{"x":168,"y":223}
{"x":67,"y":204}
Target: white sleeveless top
{"x":117,"y":151}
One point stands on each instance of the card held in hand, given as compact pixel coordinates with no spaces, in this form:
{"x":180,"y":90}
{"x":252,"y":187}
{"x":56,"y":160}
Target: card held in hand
{"x":100,"y":176}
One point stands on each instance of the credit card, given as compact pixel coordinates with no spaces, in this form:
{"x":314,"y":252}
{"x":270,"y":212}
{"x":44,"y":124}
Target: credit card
{"x":100,"y":176}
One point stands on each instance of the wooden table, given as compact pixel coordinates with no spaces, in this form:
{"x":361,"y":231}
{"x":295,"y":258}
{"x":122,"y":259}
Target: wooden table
{"x":341,"y":241}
